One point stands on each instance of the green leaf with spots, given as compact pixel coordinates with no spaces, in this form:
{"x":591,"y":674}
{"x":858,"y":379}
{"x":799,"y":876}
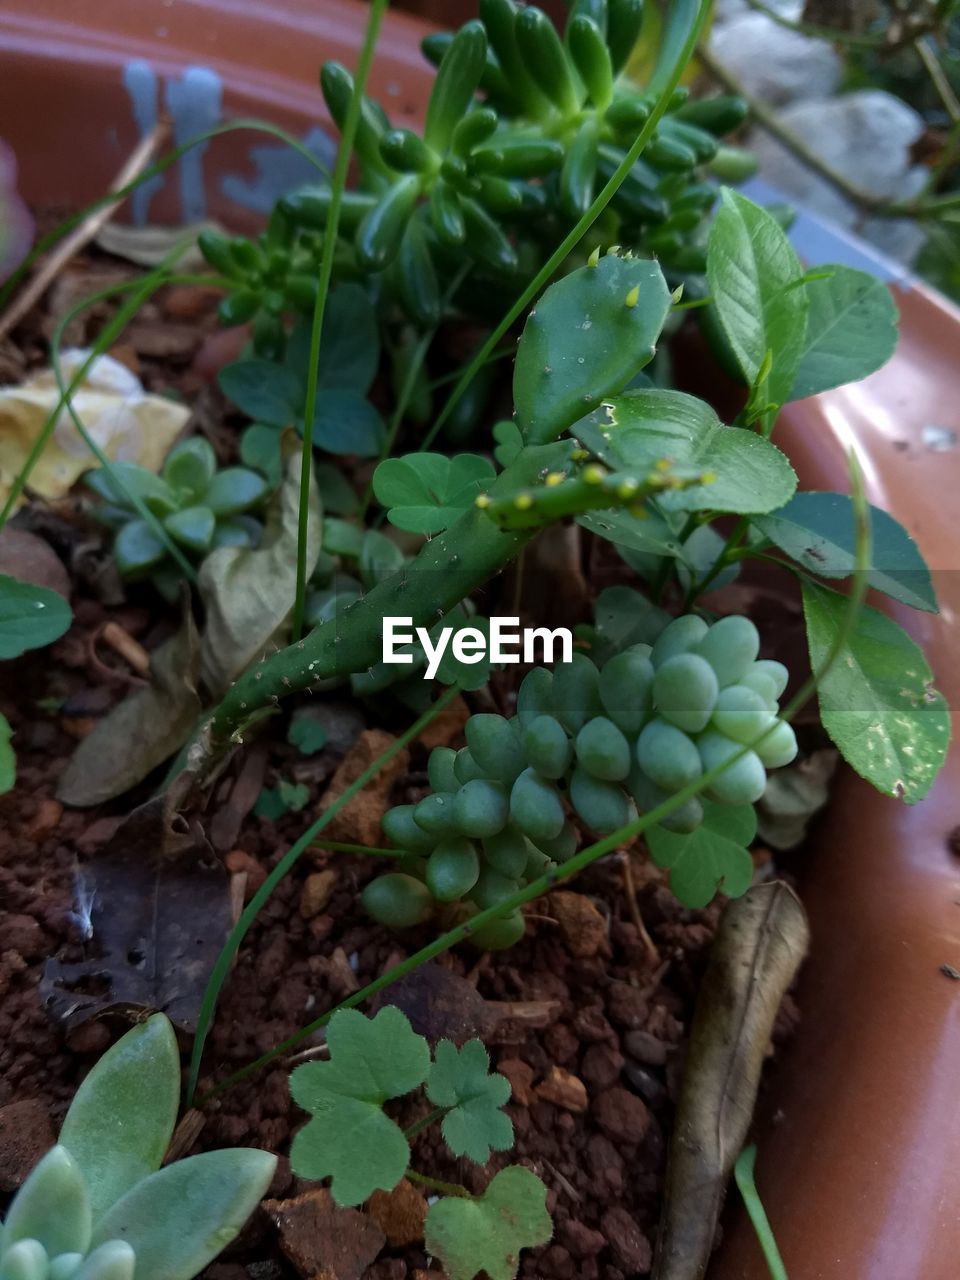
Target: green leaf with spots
{"x":636,"y":431}
{"x":589,"y":334}
{"x":877,"y":702}
{"x":487,"y":1233}
{"x":349,"y":1139}
{"x":461,"y":1080}
{"x":851,"y":330}
{"x":753,"y":272}
{"x":818,"y":530}
{"x":713,"y":859}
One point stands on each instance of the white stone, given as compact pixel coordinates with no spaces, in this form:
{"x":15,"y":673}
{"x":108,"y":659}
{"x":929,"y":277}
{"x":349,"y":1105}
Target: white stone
{"x":774,"y":64}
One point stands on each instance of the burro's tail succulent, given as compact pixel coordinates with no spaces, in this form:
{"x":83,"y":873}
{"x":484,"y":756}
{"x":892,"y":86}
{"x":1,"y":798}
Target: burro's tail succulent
{"x":98,"y":1206}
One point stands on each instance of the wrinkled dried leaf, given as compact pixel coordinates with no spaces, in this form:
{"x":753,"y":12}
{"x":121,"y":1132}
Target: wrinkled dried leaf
{"x":249,"y":593}
{"x":29,"y":558}
{"x":144,"y":730}
{"x":759,"y":946}
{"x":155,"y":906}
{"x":127,"y":423}
{"x":793,"y":795}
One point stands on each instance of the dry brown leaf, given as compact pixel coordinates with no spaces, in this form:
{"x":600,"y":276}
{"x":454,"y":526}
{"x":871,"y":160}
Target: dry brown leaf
{"x":761,"y":942}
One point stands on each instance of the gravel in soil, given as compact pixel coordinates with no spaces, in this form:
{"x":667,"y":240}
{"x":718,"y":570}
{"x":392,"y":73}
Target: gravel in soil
{"x":585,"y":1022}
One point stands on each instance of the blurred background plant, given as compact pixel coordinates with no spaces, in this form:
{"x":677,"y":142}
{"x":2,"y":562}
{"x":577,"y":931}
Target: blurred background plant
{"x":855,"y":106}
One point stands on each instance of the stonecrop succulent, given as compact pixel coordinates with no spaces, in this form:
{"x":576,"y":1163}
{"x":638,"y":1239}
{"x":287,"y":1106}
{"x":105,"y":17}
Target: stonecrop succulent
{"x":98,"y":1206}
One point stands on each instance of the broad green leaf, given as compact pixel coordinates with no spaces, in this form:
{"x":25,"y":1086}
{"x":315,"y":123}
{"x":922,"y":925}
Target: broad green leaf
{"x":349,"y":343}
{"x":427,"y":492}
{"x":624,"y":616}
{"x":178,"y":1219}
{"x":586,"y":338}
{"x":877,"y":702}
{"x":344,"y":422}
{"x":751,"y":266}
{"x":137,"y":549}
{"x":701,"y":551}
{"x":650,"y":535}
{"x":52,"y":1207}
{"x":8,"y":757}
{"x":190,"y":466}
{"x":264,"y":391}
{"x":30,"y":616}
{"x":851,"y":330}
{"x":819,"y":532}
{"x":152,"y":490}
{"x":235,"y":489}
{"x":307,"y":734}
{"x":461,"y":1080}
{"x":122,"y":1117}
{"x":260,"y":448}
{"x":487,"y":1233}
{"x":349,"y":1139}
{"x":713,"y":859}
{"x":638,"y":430}
{"x":249,"y":592}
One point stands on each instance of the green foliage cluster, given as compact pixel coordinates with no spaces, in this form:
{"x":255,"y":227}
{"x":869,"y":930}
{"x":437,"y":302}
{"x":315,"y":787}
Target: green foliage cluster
{"x":523,"y":126}
{"x":99,"y":1206}
{"x":198,"y":506}
{"x":350,"y":1139}
{"x":613,"y":740}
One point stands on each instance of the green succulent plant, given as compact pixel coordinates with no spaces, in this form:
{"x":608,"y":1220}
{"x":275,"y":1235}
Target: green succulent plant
{"x":99,"y":1206}
{"x":522,"y":128}
{"x":199,"y":507}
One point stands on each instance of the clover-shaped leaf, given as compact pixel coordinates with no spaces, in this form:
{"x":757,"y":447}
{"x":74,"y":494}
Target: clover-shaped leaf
{"x":462,"y":1080}
{"x":487,"y":1234}
{"x":427,"y":492}
{"x":713,"y":859}
{"x":349,"y":1138}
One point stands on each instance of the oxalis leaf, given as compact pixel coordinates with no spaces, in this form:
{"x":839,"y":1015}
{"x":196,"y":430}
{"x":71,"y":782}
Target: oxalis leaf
{"x":247,"y":592}
{"x":713,"y":859}
{"x":462,"y":1080}
{"x":427,"y":492}
{"x":487,"y":1233}
{"x":635,"y":431}
{"x":30,"y":616}
{"x":753,"y":269}
{"x":818,"y":530}
{"x":851,"y":330}
{"x":877,"y":701}
{"x":349,"y":1138}
{"x":589,"y":334}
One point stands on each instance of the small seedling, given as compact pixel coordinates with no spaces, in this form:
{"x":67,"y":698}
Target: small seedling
{"x":99,"y":1206}
{"x":351,"y":1140}
{"x":200,"y":508}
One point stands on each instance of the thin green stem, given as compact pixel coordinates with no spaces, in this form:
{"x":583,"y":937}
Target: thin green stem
{"x":435,"y":1184}
{"x":425,"y":1121}
{"x":927,"y":54}
{"x":624,"y":835}
{"x":256,"y":904}
{"x":574,"y":236}
{"x":743,"y":1172}
{"x":344,"y":151}
{"x":343,"y":846}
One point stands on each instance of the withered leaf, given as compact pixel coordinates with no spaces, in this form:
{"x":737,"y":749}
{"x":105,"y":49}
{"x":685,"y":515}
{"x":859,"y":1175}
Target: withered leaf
{"x":761,"y":942}
{"x":144,"y":730}
{"x":155,"y":907}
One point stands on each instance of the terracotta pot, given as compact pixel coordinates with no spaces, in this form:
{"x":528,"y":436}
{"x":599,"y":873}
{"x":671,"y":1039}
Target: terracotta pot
{"x":859,"y":1157}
